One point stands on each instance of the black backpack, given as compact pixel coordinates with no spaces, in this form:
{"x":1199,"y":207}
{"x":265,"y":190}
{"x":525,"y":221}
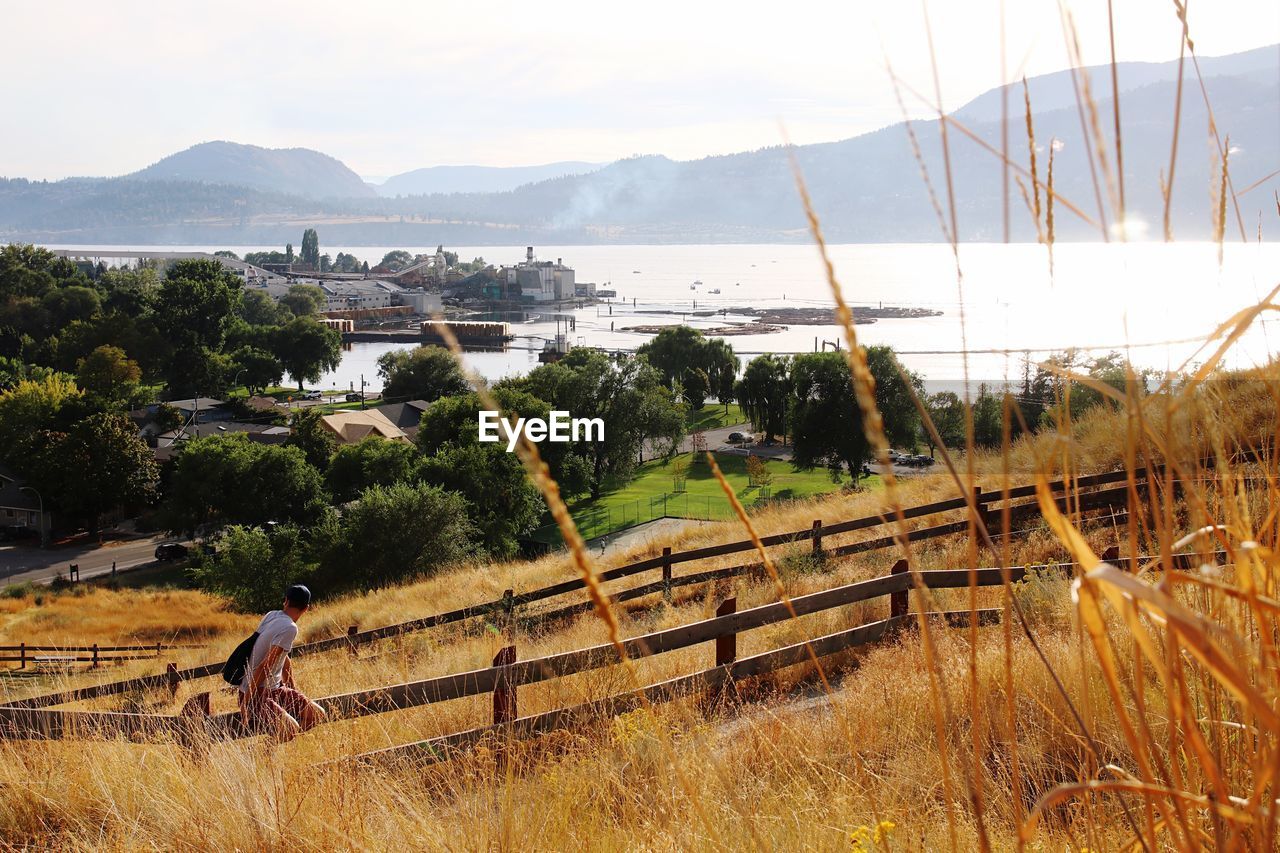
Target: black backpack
{"x":233,"y":670}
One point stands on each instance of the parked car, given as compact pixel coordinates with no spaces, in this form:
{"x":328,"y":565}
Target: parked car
{"x":14,"y":532}
{"x":171,"y":551}
{"x":353,"y":397}
{"x":918,"y":461}
{"x":894,"y":456}
{"x":738,"y":438}
{"x":312,"y":395}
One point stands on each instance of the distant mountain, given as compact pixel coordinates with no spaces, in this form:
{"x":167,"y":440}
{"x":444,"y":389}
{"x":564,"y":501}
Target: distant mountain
{"x":865,"y":189}
{"x":476,"y":179}
{"x":293,"y":171}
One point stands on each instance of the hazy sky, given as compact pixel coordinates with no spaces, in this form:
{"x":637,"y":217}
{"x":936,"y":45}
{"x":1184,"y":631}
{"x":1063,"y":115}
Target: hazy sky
{"x":104,"y":89}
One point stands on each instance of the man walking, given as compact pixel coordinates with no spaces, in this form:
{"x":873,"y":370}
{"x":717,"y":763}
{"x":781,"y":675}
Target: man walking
{"x":269,"y":699}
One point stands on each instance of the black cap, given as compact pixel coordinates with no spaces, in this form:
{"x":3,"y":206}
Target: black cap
{"x":298,"y":595}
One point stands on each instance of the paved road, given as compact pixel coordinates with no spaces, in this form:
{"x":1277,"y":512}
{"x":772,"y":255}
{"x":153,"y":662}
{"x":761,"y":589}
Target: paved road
{"x":25,"y":562}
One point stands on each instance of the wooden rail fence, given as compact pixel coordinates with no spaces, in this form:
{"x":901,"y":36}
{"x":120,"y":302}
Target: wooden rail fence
{"x":507,"y":674}
{"x":989,"y":505}
{"x":94,"y":654}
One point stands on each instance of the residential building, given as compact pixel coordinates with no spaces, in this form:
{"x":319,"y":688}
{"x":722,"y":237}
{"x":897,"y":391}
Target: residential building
{"x":406,"y":416}
{"x":351,"y":427}
{"x":21,"y":507}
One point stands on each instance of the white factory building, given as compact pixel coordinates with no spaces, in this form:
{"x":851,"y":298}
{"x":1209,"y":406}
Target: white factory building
{"x":541,"y":281}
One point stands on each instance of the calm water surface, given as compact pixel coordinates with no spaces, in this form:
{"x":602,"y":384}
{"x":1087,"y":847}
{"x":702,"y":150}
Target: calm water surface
{"x":1100,"y":295}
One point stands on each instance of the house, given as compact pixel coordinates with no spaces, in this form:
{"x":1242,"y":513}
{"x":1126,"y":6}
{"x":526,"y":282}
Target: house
{"x":168,"y":443}
{"x":197,"y":409}
{"x":20,"y":506}
{"x":404,"y":415}
{"x":352,"y":426}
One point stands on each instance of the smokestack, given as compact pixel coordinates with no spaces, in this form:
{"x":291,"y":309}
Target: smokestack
{"x":528,"y":254}
{"x":559,"y":262}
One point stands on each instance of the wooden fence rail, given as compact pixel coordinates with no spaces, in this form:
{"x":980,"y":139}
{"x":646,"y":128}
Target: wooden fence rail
{"x":508,"y":674}
{"x":96,"y":654}
{"x":980,"y":500}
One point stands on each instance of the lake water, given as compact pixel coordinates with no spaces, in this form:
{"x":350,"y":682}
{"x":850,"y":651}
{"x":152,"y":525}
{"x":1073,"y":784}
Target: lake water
{"x":1150,"y":297}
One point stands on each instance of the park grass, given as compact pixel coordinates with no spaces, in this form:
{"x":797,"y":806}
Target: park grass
{"x":714,"y":416}
{"x":652,"y":492}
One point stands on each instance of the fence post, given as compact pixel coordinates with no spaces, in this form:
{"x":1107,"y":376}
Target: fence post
{"x":727,"y":644}
{"x":113,"y":568}
{"x":171,"y":674}
{"x":73,"y":572}
{"x":508,"y":612}
{"x":352,"y":630}
{"x":157,"y":648}
{"x":504,"y":692}
{"x":899,"y":604}
{"x":666,"y":574}
{"x":95,"y":656}
{"x":981,"y":508}
{"x":817,"y":537}
{"x":22,"y":652}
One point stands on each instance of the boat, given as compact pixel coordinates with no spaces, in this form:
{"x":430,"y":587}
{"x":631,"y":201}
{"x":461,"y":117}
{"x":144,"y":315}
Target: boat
{"x":635,"y":272}
{"x":714,"y":290}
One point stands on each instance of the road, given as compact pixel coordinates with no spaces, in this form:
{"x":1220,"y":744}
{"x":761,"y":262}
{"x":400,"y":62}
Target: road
{"x":29,"y":563}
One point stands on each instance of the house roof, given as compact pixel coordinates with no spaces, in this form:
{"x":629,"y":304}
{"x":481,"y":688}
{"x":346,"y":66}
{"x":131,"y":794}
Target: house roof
{"x":404,"y":415}
{"x":191,"y":405}
{"x":257,"y":432}
{"x":351,"y":426}
{"x":262,"y":404}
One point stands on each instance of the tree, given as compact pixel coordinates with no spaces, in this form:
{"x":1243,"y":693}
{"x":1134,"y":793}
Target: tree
{"x":308,"y":433}
{"x":764,"y":393}
{"x":259,"y":309}
{"x":825,"y":419}
{"x":674,"y":352}
{"x":252,"y":566}
{"x":326,"y":263}
{"x":501,"y":501}
{"x":394,"y":533}
{"x":288,"y":253}
{"x":99,"y":465}
{"x":825,"y":423}
{"x":426,"y":373}
{"x":196,"y":302}
{"x":946,"y":411}
{"x":193,"y":310}
{"x":374,"y":461}
{"x":68,"y":304}
{"x":228,"y":479}
{"x":307,"y":349}
{"x":32,"y":405}
{"x":304,"y":299}
{"x":629,"y":397}
{"x":395,"y":260}
{"x":364,"y":267}
{"x":226,"y":253}
{"x":696,"y":387}
{"x":257,"y":368}
{"x":310,"y":255}
{"x":108,"y":375}
{"x":722,"y":370}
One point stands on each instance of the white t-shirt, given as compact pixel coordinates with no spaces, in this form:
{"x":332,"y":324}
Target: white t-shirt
{"x":275,"y":629}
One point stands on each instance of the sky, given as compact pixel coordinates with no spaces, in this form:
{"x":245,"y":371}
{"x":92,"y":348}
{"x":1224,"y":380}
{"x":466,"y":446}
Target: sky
{"x":386,"y":87}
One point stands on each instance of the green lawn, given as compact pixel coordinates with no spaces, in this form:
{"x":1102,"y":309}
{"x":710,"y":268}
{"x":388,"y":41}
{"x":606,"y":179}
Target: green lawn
{"x":651,"y":494}
{"x":713,"y":416}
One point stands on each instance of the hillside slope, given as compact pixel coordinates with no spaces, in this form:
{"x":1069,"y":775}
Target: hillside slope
{"x":290,"y":171}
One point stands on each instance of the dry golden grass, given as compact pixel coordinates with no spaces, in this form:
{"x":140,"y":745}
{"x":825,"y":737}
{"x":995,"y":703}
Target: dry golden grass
{"x":775,"y":770}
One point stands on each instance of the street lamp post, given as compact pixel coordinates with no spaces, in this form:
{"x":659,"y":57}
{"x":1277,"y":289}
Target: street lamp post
{"x":44,"y":527}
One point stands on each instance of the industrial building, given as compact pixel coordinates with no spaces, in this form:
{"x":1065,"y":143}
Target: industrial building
{"x":540,"y":281}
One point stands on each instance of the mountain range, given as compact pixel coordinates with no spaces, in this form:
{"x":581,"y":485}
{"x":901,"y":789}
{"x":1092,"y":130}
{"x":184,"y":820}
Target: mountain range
{"x":473,"y":179}
{"x":865,"y":189}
